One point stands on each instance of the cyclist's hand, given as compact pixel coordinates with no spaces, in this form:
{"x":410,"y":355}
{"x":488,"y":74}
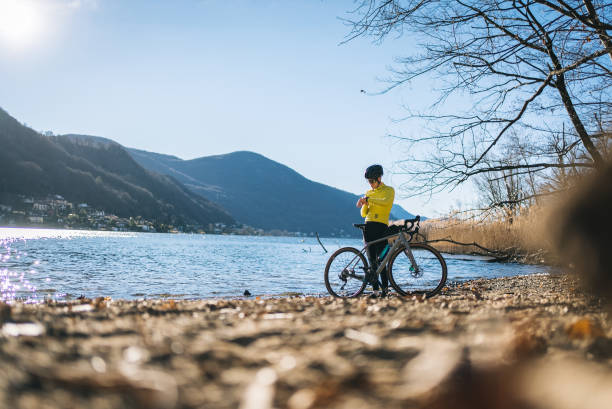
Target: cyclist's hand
{"x":361,"y":201}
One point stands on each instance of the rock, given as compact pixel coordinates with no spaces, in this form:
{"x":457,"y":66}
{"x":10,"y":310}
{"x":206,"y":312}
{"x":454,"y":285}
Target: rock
{"x":364,"y":337}
{"x":601,"y":348}
{"x":260,"y":392}
{"x":5,"y":312}
{"x":526,"y":345}
{"x":24,"y":329}
{"x":308,"y":352}
{"x":564,"y":384}
{"x":437,"y":360}
{"x":584,"y":329}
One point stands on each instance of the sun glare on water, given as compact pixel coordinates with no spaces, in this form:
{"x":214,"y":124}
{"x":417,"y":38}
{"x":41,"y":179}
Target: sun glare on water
{"x":21,"y":23}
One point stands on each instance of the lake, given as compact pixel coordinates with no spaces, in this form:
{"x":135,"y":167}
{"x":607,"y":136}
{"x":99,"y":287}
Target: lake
{"x":63,"y":264}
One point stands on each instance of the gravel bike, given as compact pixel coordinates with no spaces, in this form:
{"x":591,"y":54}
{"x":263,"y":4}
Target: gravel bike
{"x":412,"y":268}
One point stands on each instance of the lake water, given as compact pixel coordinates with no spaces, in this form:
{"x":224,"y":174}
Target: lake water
{"x":63,"y":264}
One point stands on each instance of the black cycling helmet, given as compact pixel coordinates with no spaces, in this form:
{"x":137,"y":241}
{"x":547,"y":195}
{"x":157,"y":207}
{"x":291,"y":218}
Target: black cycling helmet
{"x":374,"y":172}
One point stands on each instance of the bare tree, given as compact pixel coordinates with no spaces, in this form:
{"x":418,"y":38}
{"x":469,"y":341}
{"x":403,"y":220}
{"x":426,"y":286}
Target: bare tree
{"x":508,"y":191}
{"x":527,"y":65}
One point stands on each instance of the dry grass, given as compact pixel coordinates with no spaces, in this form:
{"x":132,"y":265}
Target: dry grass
{"x":523,"y":237}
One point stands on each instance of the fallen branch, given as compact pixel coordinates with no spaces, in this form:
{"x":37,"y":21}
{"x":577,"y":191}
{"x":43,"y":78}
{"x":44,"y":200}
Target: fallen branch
{"x":493,"y":253}
{"x":319,"y":240}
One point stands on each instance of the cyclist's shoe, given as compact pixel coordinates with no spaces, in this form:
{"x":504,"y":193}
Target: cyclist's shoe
{"x":384,"y":293}
{"x":375,"y":294}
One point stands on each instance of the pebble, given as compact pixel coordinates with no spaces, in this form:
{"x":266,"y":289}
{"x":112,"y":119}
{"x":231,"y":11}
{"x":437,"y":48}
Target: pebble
{"x":308,"y":352}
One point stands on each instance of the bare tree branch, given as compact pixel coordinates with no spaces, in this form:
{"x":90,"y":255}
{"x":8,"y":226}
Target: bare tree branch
{"x":527,"y":65}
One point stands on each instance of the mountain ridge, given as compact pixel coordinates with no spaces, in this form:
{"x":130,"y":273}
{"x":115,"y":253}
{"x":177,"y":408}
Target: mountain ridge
{"x":97,"y":171}
{"x":241,"y":185}
{"x":241,"y":180}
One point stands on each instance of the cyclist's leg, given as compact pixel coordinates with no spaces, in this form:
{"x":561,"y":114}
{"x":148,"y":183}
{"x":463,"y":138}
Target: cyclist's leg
{"x":374,"y":231}
{"x":384,"y":280}
{"x":373,"y":266}
{"x":368,"y":235}
{"x":378,"y":249}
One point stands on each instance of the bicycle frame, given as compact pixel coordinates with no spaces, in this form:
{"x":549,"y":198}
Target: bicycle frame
{"x":402,"y":240}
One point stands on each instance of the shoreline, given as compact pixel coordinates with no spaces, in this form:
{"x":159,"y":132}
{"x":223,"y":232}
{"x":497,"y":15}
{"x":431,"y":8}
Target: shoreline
{"x":81,"y":299}
{"x":265,"y":233}
{"x":309,"y":352}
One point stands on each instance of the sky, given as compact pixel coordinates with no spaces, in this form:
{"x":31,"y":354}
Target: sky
{"x":195,"y":78}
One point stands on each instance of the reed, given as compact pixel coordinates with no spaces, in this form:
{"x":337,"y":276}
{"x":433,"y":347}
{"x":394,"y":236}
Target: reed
{"x":523,"y":237}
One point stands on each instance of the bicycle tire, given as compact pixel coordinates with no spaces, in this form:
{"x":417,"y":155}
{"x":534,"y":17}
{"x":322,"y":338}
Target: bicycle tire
{"x":344,"y":269}
{"x":433,"y":271}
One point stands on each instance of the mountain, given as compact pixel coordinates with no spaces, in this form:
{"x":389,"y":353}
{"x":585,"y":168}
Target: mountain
{"x":398,"y":212}
{"x":96,"y":171}
{"x":263,"y":193}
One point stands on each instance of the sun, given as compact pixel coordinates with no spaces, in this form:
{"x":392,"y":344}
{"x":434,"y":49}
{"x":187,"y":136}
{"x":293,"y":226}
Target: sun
{"x":20,"y":22}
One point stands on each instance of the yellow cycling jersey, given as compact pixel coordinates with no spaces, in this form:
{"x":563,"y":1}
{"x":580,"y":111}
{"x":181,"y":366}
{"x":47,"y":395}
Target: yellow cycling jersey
{"x":378,"y":206}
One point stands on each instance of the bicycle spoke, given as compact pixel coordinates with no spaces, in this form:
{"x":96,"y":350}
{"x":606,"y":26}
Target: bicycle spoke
{"x":425,"y":273}
{"x":345,"y":272}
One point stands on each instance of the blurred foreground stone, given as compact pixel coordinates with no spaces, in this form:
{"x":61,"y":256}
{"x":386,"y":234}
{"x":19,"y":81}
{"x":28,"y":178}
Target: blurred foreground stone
{"x":522,"y":342}
{"x":583,"y":232}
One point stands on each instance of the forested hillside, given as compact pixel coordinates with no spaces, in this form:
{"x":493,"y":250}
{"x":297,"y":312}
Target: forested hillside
{"x":96,"y":171}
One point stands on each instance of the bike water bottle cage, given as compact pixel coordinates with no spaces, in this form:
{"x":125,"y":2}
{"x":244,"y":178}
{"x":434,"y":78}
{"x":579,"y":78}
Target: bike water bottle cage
{"x":384,"y":252}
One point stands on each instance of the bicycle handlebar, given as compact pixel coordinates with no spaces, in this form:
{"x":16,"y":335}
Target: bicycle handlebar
{"x":412,"y":222}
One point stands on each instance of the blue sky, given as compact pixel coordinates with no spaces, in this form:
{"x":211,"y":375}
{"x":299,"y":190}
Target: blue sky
{"x":194,"y":78}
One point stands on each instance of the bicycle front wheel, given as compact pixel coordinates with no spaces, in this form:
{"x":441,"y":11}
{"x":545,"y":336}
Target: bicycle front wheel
{"x":427,"y":277}
{"x":345,"y":273}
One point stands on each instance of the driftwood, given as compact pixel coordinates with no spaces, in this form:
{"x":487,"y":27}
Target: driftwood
{"x":319,"y":240}
{"x":498,"y":255}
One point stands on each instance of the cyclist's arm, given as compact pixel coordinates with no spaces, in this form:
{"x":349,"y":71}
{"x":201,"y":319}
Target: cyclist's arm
{"x":364,"y":209}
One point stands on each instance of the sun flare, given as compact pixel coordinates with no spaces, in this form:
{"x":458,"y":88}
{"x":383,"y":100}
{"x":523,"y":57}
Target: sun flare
{"x":20,"y":22}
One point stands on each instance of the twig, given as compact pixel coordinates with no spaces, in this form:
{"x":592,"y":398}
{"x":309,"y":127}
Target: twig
{"x":319,"y":240}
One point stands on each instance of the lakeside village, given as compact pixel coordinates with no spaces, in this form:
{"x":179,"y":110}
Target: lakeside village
{"x":56,"y":212}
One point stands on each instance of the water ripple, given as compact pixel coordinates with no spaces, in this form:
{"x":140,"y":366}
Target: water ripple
{"x":38,"y":264}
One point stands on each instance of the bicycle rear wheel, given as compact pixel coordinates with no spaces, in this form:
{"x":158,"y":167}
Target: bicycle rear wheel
{"x":345,"y":273}
{"x":428,"y":279}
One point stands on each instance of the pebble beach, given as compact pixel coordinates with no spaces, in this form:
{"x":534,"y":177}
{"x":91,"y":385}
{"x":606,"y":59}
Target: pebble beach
{"x":521,"y":342}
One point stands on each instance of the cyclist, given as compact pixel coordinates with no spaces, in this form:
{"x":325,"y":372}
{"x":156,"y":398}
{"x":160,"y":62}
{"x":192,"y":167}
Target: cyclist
{"x":375,"y":207}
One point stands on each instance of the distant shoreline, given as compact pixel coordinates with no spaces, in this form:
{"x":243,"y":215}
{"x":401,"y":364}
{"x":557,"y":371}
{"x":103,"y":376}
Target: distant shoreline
{"x":265,"y":234}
